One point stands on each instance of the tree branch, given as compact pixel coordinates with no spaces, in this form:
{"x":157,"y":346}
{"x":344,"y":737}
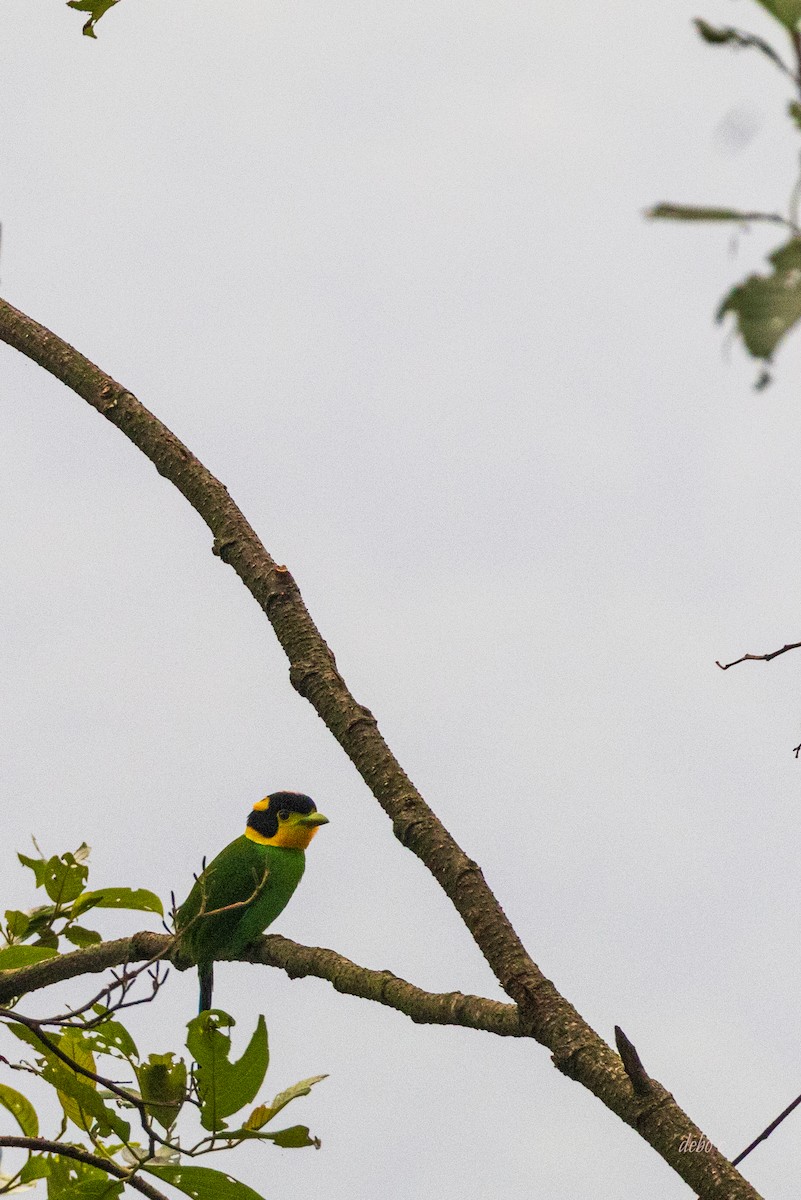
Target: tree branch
{"x":298,"y":961}
{"x":759,"y":657}
{"x":43,"y":1146}
{"x":424,"y":1008}
{"x":576,"y":1049}
{"x":89,"y":961}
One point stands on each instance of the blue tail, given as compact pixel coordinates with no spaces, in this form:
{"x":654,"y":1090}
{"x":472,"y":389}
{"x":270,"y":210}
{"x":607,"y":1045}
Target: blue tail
{"x":205,"y":973}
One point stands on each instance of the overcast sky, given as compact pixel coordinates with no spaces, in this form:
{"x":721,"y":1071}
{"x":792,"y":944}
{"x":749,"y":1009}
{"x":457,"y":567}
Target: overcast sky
{"x":384,"y":269}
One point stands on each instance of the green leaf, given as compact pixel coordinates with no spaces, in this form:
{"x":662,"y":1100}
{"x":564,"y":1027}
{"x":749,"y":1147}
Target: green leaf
{"x":72,"y":1180}
{"x":786,"y":12}
{"x":39,"y":918}
{"x":119,"y":897}
{"x":95,"y":1189}
{"x":713,"y":35}
{"x":64,"y":878}
{"x":77,"y":1094}
{"x":163,"y":1083}
{"x":766,"y":307}
{"x":80,"y":1102}
{"x":739,"y":40}
{"x":21,"y":1110}
{"x":36,"y":1167}
{"x":72,"y":1044}
{"x":265,"y":1112}
{"x":16,"y":923}
{"x":294,"y":1138}
{"x":794,"y":112}
{"x":14,"y":957}
{"x":97,"y":8}
{"x":224,"y":1086}
{"x":696,"y":212}
{"x":82,"y":937}
{"x":114,"y":1039}
{"x":202,"y":1183}
{"x":48,"y":939}
{"x":37,"y":865}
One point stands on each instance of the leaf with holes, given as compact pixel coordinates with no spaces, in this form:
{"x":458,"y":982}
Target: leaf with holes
{"x":72,"y":1180}
{"x":96,"y":9}
{"x":224,"y":1086}
{"x":119,"y":897}
{"x":202,"y":1183}
{"x":64,"y":878}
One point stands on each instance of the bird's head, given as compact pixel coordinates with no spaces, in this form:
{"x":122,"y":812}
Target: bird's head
{"x":287,"y":819}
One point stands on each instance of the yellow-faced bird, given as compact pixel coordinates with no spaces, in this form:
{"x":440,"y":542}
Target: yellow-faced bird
{"x":248,"y":884}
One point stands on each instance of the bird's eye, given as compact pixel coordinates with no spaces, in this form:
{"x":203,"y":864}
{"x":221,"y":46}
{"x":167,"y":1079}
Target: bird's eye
{"x":283,"y":814}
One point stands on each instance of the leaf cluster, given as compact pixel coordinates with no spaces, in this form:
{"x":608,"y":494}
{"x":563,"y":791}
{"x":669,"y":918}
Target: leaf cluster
{"x":63,"y":1053}
{"x":34,"y":934}
{"x":765,"y":307}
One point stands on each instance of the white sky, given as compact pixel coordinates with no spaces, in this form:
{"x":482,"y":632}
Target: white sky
{"x":384,"y":269}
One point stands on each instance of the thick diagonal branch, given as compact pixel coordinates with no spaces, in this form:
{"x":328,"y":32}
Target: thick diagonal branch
{"x":577,"y":1050}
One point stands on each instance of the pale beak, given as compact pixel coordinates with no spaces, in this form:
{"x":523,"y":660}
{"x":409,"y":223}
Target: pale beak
{"x":311,"y":820}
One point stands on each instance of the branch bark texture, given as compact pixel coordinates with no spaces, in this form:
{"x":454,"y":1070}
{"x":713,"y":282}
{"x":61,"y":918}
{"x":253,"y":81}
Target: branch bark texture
{"x":545,"y":1015}
{"x":298,"y":961}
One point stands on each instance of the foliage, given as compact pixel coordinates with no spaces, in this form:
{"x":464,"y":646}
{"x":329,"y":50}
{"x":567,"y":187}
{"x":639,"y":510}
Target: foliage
{"x":64,"y":1051}
{"x":63,"y":878}
{"x":95,"y":8}
{"x":765,"y":307}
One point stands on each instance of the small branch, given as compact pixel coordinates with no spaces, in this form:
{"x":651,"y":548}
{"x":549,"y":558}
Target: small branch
{"x":759,"y":657}
{"x":640,"y":1079}
{"x":767,"y":1132}
{"x":44,"y":1146}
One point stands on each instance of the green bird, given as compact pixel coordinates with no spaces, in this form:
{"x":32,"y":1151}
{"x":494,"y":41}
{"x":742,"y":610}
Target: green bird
{"x":248,"y":884}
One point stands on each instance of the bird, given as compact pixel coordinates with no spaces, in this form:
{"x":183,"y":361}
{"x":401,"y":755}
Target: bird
{"x":241,"y":891}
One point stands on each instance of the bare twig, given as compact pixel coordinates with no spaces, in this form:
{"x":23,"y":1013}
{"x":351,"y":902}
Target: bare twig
{"x":759,"y":657}
{"x":44,"y":1146}
{"x":124,"y":982}
{"x":767,"y":1132}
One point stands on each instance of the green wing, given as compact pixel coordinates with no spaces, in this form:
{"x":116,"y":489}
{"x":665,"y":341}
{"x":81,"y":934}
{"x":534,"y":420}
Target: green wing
{"x":258,"y":880}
